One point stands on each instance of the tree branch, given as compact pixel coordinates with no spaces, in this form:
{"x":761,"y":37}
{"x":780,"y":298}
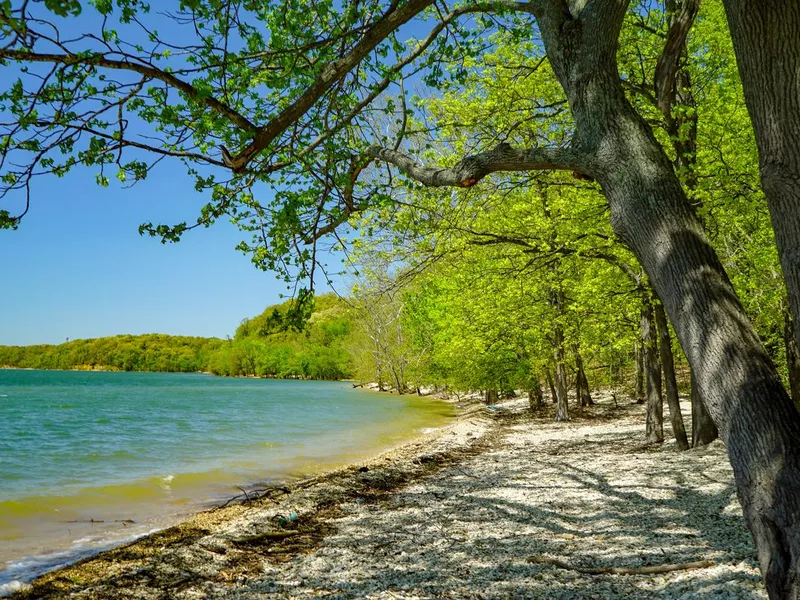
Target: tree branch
{"x":330,"y":74}
{"x":473,"y":168}
{"x":681,"y":21}
{"x":339,"y":68}
{"x":101,"y":60}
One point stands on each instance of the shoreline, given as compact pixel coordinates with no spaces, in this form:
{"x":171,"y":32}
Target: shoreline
{"x":488,"y":506}
{"x":221,"y":510}
{"x":52,"y":526}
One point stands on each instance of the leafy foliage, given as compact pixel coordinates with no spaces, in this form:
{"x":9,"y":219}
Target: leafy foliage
{"x":263,"y":347}
{"x":271,"y":107}
{"x":153,"y":352}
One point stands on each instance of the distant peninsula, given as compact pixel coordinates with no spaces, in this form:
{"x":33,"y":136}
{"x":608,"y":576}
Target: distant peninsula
{"x":261,"y":347}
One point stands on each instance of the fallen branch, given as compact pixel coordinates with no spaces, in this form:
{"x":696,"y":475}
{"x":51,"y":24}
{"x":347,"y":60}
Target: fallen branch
{"x":651,"y":570}
{"x":123,"y":521}
{"x":257,"y":494}
{"x":267,"y":535}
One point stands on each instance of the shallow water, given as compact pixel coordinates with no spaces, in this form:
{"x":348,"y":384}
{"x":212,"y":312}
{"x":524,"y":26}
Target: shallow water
{"x":88,"y":460}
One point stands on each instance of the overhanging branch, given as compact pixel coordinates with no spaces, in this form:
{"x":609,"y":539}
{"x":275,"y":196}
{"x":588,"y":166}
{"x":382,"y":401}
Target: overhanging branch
{"x":101,"y":60}
{"x":333,"y":72}
{"x":473,"y":168}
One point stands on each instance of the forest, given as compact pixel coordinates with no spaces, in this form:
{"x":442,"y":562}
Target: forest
{"x":530,"y":196}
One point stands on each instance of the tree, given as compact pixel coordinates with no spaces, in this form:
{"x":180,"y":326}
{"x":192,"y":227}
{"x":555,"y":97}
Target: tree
{"x":650,"y":211}
{"x":293,"y":110}
{"x":381,"y":320}
{"x":768,"y":54}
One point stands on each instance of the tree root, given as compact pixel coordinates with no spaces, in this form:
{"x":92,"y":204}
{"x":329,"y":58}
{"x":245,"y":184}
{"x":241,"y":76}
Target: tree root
{"x":650,"y":570}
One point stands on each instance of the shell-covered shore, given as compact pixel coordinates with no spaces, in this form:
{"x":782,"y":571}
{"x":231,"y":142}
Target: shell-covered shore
{"x":495,"y":505}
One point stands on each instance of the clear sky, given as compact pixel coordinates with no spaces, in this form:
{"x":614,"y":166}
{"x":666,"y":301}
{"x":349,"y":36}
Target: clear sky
{"x":78,"y":268}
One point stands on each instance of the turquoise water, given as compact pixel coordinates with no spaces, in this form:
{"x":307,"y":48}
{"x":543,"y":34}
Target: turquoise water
{"x":84,"y":453}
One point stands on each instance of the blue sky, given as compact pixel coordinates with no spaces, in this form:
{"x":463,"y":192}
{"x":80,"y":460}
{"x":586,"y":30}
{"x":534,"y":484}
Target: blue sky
{"x":78,"y":268}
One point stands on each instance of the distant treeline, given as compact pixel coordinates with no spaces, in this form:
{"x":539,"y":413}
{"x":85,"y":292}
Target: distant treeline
{"x":152,"y":352}
{"x":261,"y":347}
{"x":264,"y":347}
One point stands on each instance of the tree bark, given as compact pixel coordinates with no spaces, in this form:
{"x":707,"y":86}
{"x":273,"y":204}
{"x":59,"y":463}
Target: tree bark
{"x":562,"y":408}
{"x":766,"y":39}
{"x":792,"y":357}
{"x":559,"y":357}
{"x":654,"y":433}
{"x":553,"y":395}
{"x":638,"y":358}
{"x":703,"y":429}
{"x":581,"y":381}
{"x":535,"y":396}
{"x":670,"y":381}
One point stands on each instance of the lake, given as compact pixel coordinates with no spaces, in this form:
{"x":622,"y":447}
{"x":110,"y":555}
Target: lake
{"x":89,"y":460}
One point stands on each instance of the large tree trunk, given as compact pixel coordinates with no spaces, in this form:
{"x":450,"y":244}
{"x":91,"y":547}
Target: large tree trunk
{"x":792,"y":357}
{"x":670,"y":381}
{"x":655,"y":405}
{"x":766,"y":39}
{"x":736,"y":378}
{"x":650,"y":212}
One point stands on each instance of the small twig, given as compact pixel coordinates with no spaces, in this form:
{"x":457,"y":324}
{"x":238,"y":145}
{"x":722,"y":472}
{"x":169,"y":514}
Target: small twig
{"x":651,"y":570}
{"x":463,"y":472}
{"x":123,"y":521}
{"x":86,"y":521}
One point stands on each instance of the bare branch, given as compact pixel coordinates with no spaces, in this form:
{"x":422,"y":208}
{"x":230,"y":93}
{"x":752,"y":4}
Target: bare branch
{"x":473,"y":168}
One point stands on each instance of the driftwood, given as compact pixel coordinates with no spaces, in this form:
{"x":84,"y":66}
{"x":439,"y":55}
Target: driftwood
{"x":650,"y":570}
{"x":266,"y":536}
{"x":257,"y":494}
{"x":123,"y":521}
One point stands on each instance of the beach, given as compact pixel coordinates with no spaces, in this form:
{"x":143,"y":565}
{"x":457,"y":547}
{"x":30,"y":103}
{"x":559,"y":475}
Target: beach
{"x":502,"y":503}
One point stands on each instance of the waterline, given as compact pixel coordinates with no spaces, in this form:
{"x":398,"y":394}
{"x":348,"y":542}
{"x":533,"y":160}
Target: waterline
{"x":90,"y":460}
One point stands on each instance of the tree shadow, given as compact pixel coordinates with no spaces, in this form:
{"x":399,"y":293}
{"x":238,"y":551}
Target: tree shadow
{"x":471,"y":530}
